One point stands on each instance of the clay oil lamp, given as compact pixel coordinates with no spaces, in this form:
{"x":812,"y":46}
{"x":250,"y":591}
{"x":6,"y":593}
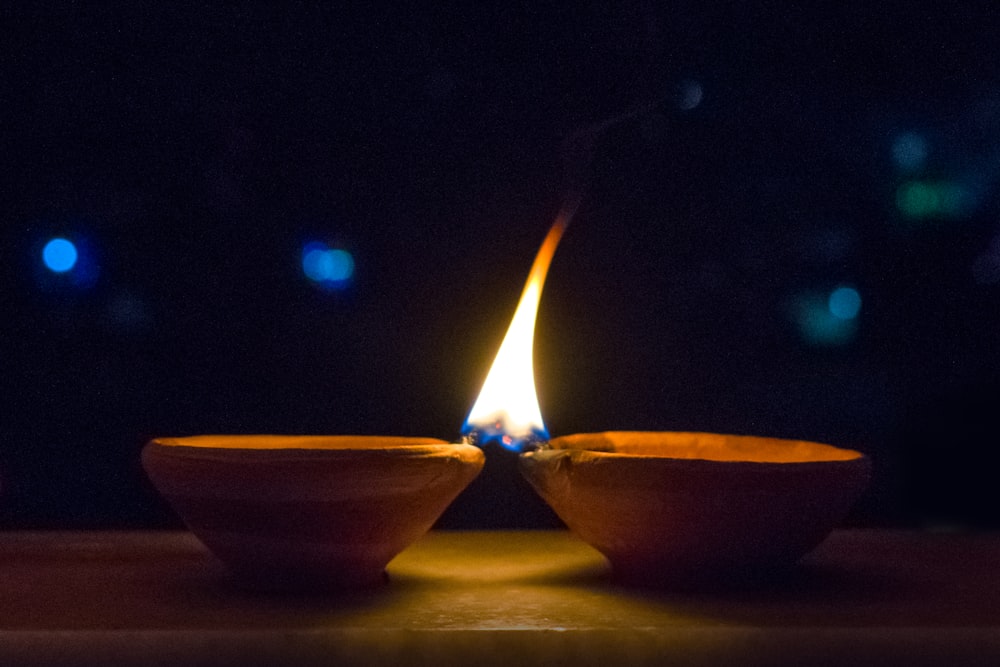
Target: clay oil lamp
{"x":682,"y":510}
{"x":695,"y":510}
{"x":309,"y":512}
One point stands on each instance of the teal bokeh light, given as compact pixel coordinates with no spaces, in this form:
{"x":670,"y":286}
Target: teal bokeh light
{"x":927,"y":200}
{"x":827,"y":319}
{"x":844,"y":303}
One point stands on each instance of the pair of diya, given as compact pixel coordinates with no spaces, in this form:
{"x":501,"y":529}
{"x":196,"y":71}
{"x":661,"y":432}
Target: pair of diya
{"x":674,"y":509}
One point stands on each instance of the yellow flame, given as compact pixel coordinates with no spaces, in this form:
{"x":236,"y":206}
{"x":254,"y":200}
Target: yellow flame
{"x":508,"y":402}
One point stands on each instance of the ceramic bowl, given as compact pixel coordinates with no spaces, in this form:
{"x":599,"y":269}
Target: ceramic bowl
{"x":309,"y":512}
{"x":695,"y":510}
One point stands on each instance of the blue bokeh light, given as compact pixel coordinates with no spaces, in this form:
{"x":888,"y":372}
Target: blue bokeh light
{"x":68,"y":261}
{"x":328,"y":267}
{"x":689,"y":95}
{"x":909,"y":151}
{"x":844,"y":303}
{"x":60,"y":255}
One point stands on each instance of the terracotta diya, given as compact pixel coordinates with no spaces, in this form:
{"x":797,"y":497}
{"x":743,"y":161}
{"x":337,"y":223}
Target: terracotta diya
{"x":696,"y":510}
{"x":309,"y":512}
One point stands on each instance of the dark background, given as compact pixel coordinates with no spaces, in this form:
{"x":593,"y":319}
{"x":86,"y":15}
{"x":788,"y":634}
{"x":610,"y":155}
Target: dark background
{"x":191,"y":152}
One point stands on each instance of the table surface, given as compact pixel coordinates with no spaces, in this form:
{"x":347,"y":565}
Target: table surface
{"x":529,"y":597}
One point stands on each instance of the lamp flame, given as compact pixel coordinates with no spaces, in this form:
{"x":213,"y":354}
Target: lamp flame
{"x":506,"y":410}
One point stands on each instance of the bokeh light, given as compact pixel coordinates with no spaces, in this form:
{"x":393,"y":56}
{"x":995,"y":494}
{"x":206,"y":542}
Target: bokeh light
{"x":330,"y":268}
{"x":923,"y":200}
{"x":827,"y":319}
{"x":67,"y":261}
{"x":128,"y":312}
{"x":689,"y":95}
{"x":986,"y":267}
{"x":909,"y":151}
{"x":844,"y":303}
{"x":59,"y":255}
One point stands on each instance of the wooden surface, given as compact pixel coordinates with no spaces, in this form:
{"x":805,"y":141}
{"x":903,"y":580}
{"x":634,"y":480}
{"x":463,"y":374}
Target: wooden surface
{"x":513,"y":598}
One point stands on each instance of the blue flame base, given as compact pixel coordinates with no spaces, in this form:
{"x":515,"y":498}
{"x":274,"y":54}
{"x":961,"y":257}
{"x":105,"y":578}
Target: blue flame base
{"x":480,"y":436}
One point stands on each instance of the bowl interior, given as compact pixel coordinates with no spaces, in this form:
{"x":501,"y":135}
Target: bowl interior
{"x":312,"y":442}
{"x":704,"y":446}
